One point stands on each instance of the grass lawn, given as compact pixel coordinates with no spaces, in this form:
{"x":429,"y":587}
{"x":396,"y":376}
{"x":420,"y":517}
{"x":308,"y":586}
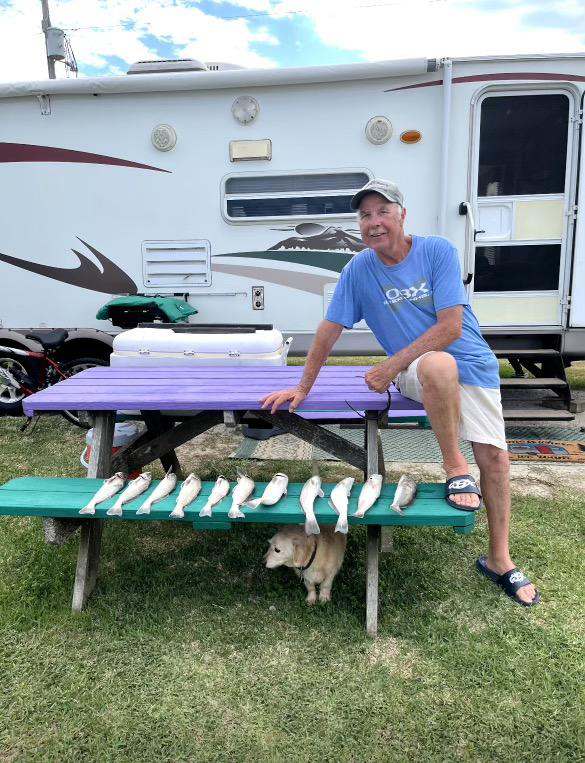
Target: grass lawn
{"x":190,"y":650}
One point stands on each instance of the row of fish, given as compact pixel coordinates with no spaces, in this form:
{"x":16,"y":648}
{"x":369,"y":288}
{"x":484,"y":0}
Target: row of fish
{"x":273,"y":492}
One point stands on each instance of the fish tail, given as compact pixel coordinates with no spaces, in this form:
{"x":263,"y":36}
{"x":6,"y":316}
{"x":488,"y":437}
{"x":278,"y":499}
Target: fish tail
{"x":253,"y":504}
{"x":359,"y":513}
{"x":396,"y":507}
{"x":205,"y":511}
{"x":89,"y":509}
{"x":177,"y":512}
{"x":341,"y":526}
{"x":145,"y":508}
{"x":235,"y":513}
{"x":115,"y":510}
{"x":311,"y":527}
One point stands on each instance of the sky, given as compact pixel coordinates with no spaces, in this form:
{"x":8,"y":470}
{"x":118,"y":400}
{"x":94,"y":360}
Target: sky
{"x":107,"y":36}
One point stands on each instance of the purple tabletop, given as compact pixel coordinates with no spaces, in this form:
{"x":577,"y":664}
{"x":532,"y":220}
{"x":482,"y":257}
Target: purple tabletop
{"x":107,"y":388}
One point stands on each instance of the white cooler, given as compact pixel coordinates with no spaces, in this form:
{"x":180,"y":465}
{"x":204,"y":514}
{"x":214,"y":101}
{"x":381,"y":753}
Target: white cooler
{"x":157,"y":347}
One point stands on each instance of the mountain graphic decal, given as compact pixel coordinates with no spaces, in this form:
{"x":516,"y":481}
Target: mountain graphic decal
{"x":314,"y":236}
{"x":109,"y":280}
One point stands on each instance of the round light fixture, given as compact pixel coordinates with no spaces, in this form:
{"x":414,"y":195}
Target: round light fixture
{"x":164,"y":137}
{"x":410,"y":136}
{"x":245,"y":109}
{"x":379,"y":130}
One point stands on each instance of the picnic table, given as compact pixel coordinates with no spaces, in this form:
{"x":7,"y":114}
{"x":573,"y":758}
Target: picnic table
{"x":178,"y":404}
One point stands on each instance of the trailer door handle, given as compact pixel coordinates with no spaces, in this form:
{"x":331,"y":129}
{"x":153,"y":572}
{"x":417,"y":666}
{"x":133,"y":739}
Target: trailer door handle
{"x":468,"y":279}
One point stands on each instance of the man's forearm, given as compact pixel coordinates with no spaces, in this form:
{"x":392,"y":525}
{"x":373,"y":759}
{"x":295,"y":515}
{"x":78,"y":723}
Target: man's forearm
{"x":437,"y":338}
{"x":325,"y":337}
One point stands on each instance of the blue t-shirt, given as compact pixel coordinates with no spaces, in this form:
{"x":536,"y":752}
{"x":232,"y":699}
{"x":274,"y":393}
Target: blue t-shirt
{"x":400,"y":302}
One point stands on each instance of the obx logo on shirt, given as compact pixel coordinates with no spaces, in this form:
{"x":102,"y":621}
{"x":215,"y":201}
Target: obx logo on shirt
{"x":412,"y":293}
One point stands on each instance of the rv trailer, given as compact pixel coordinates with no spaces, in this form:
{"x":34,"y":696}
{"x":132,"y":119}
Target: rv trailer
{"x":230,"y":188}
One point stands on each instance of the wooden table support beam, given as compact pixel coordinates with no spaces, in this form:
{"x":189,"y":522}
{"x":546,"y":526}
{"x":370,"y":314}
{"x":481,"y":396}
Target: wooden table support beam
{"x":316,"y":435}
{"x":156,"y":425}
{"x":88,"y":556}
{"x":154,"y":446}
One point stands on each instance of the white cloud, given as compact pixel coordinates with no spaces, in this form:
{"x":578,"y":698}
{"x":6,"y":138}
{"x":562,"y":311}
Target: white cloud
{"x":387,"y":30}
{"x":108,"y":28}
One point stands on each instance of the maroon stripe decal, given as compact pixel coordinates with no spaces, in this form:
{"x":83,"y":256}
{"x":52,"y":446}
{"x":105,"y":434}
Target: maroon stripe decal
{"x":498,"y":76}
{"x":24,"y":152}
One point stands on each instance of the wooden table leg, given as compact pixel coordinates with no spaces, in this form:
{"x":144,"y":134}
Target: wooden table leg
{"x":386,"y":539}
{"x":373,"y":544}
{"x":91,"y":531}
{"x":158,"y":424}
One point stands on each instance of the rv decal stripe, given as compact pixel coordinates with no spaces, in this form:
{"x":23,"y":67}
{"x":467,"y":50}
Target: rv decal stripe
{"x":24,"y":152}
{"x":334,"y":261}
{"x":498,"y":76}
{"x":308,"y":282}
{"x":110,"y":280}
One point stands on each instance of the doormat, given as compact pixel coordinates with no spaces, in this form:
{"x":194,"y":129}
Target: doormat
{"x":413,"y":445}
{"x":547,"y":450}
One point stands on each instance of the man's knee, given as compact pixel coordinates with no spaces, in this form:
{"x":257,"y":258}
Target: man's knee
{"x":437,"y":370}
{"x":491,"y":458}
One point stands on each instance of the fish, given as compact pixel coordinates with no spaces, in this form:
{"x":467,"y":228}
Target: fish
{"x":110,"y":487}
{"x":273,"y":492}
{"x":218,"y":493}
{"x":405,"y":493}
{"x":242,"y":491}
{"x":339,"y":501}
{"x":133,"y":490}
{"x":311,"y":489}
{"x":189,"y":491}
{"x":164,"y":487}
{"x":369,"y":494}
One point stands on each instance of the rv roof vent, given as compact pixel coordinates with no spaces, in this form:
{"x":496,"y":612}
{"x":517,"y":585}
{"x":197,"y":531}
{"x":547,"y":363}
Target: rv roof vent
{"x":164,"y":66}
{"x":220,"y":66}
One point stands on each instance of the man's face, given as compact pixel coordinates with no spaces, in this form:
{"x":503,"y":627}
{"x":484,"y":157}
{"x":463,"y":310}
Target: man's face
{"x":381,"y":223}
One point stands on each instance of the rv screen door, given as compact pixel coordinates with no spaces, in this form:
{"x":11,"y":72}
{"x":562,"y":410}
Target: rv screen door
{"x":521,"y":184}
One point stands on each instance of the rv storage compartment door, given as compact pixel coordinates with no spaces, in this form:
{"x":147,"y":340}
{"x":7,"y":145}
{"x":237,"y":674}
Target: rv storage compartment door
{"x":176,"y":266}
{"x":522,"y":151}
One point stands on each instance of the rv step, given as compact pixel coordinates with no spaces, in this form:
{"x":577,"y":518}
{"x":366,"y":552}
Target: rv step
{"x":537,"y":414}
{"x":511,"y":353}
{"x":538,"y":383}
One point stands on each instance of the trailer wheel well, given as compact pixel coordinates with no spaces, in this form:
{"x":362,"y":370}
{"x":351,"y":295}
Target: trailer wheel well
{"x":81,"y":348}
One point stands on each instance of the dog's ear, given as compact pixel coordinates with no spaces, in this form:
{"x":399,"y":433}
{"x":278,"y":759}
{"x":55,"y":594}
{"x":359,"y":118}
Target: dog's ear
{"x":299,"y":552}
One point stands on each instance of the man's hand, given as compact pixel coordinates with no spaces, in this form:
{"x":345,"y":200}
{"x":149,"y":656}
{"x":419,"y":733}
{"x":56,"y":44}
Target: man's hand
{"x":381,"y":375}
{"x":275,"y":399}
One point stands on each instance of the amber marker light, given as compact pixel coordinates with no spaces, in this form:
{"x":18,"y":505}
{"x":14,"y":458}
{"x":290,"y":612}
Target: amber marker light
{"x":411,"y":136}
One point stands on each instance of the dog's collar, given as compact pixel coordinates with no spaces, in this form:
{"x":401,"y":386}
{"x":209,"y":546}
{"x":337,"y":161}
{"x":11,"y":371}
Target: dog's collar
{"x":312,"y":559}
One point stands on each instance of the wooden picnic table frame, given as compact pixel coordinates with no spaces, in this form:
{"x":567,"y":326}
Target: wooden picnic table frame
{"x":161,"y":444}
{"x":167,"y":429}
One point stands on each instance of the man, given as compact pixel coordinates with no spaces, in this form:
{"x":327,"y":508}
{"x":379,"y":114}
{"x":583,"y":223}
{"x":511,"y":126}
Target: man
{"x":409,"y":291}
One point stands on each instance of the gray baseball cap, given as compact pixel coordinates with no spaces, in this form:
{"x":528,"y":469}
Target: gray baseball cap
{"x":385,"y":188}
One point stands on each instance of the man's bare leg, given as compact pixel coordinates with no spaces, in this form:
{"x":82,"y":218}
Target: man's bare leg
{"x":438,"y":374}
{"x":494,"y":467}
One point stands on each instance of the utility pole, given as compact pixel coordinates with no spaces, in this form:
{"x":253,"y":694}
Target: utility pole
{"x":46,"y":27}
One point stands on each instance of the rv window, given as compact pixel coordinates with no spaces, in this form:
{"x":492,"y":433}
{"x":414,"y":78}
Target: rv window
{"x":523,"y":145}
{"x":307,"y":195}
{"x":517,"y":268}
{"x":336,"y":181}
{"x":290,"y":207}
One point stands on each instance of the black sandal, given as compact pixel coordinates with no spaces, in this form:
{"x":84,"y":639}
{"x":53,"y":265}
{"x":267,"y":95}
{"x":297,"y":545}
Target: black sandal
{"x":462,"y":483}
{"x":511,"y":581}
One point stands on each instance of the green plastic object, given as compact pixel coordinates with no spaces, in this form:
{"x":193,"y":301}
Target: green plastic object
{"x":176,"y":310}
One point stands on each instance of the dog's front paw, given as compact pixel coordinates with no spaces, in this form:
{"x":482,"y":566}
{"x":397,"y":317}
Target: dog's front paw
{"x":311,"y":598}
{"x":324,"y":596}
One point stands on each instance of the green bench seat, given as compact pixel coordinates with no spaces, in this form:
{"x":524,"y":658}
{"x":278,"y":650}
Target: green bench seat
{"x":62,"y":498}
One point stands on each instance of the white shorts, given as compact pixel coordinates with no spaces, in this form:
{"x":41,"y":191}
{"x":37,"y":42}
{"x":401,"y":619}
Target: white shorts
{"x":481,"y":407}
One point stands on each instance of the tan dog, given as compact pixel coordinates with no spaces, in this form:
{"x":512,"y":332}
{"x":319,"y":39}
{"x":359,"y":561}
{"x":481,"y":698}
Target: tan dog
{"x":316,"y":558}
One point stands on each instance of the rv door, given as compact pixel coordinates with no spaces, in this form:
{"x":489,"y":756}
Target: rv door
{"x":577,"y":314}
{"x":521,"y":189}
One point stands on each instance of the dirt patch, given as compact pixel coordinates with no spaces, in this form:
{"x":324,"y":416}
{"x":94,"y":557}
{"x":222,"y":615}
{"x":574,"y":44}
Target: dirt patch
{"x":216,"y":443}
